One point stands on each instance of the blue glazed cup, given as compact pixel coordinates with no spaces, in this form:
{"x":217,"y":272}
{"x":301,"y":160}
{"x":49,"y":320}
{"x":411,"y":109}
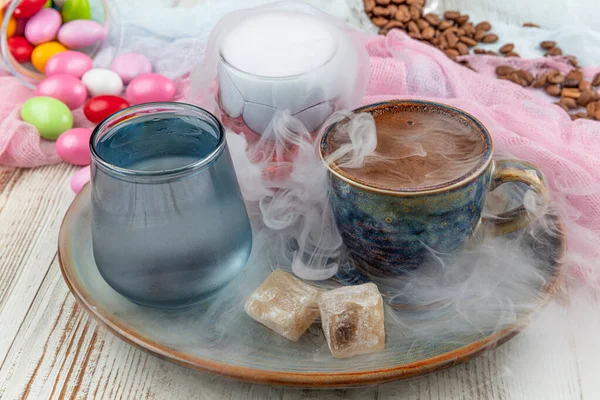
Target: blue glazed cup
{"x":388,"y":232}
{"x":169,"y":226}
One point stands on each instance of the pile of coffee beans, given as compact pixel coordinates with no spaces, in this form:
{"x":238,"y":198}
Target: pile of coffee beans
{"x":574,"y":91}
{"x":454,"y":34}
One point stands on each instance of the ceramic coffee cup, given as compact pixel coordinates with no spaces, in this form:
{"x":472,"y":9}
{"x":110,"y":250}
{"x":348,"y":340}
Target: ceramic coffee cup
{"x":388,"y":232}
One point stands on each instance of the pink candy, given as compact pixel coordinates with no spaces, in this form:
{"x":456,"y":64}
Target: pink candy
{"x":80,"y":33}
{"x":149,"y":88}
{"x":43,"y":26}
{"x":80,"y":178}
{"x":73,"y":146}
{"x":130,"y":65}
{"x":70,"y":63}
{"x":65,"y":88}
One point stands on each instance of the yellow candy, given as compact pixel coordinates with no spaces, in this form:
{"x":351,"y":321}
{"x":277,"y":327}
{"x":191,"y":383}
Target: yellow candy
{"x":45,"y":51}
{"x":12,"y":25}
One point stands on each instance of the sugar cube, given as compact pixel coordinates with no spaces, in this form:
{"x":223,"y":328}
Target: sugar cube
{"x":353,"y":321}
{"x":284,"y":304}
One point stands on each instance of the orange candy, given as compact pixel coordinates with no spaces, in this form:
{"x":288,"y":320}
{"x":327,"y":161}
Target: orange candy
{"x":45,"y":51}
{"x":12,"y":25}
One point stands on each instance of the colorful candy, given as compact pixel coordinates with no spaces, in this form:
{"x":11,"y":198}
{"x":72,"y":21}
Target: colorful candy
{"x":44,"y":52}
{"x":69,"y":62}
{"x":28,"y":8}
{"x":51,"y":117}
{"x":99,"y":107}
{"x":76,"y":9}
{"x":101,"y":81}
{"x":149,"y":88}
{"x":43,"y":26}
{"x":80,"y":33}
{"x":11,"y":27}
{"x":65,"y":88}
{"x":80,"y":178}
{"x":20,"y":48}
{"x":73,"y":146}
{"x":130,"y":65}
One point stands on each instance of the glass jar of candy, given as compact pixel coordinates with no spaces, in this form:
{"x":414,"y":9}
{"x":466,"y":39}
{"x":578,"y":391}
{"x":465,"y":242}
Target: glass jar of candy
{"x":99,"y":40}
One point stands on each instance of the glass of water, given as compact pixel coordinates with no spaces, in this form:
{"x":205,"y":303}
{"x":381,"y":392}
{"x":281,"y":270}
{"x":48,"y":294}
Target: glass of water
{"x":169,"y":228}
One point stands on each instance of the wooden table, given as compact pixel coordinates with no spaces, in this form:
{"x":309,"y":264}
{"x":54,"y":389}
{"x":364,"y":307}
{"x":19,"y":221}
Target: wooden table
{"x":51,"y":348}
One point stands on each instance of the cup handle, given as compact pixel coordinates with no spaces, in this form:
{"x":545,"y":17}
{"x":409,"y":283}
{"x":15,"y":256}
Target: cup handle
{"x":514,"y":171}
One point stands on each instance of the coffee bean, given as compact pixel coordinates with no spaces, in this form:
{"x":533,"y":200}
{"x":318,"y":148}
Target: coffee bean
{"x":491,"y":53}
{"x":444,"y":25}
{"x":573,"y":78}
{"x":380,"y":12}
{"x":422,"y":24}
{"x":383,"y":2}
{"x":483,"y":26}
{"x":596,"y":115}
{"x":555,"y":51}
{"x":512,"y":54}
{"x":555,"y":77}
{"x":587,"y":96}
{"x":572,"y":60}
{"x":468,"y":28}
{"x":468,"y":41}
{"x":433,"y":19}
{"x":460,"y":32}
{"x":415,"y":35}
{"x":412,"y":27}
{"x":515,"y":78}
{"x":584,"y":85}
{"x":379,"y":21}
{"x":479,"y":35}
{"x":526,"y":76}
{"x":452,"y":53}
{"x":452,"y":39}
{"x":443,"y":43}
{"x":479,"y":51}
{"x":490,"y":38}
{"x":392,"y":8}
{"x":428,"y":33}
{"x":568,"y":102}
{"x":547,"y":44}
{"x":393,"y":24}
{"x":369,"y":5}
{"x":451,"y":15}
{"x":571,"y":92}
{"x":507,"y":48}
{"x":578,"y":115}
{"x":596,"y":80}
{"x":398,"y":1}
{"x":420,"y":3}
{"x":403,"y":15}
{"x":592,"y":107}
{"x":462,"y":48}
{"x":462,"y":19}
{"x":530,"y":25}
{"x":553,"y":90}
{"x":503,"y":69}
{"x":415,"y":12}
{"x":541,"y":81}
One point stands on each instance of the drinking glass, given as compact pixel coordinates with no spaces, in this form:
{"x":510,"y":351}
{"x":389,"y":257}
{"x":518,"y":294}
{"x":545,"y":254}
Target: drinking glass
{"x":169,"y":226}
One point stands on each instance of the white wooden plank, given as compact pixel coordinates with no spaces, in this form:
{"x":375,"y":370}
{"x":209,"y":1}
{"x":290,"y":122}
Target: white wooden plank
{"x":32,"y":205}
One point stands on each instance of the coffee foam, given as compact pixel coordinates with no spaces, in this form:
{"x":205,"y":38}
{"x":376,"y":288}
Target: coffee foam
{"x":407,"y":147}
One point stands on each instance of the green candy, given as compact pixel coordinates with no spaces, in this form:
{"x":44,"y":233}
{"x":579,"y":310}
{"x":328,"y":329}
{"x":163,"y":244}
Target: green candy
{"x":51,"y":117}
{"x":76,"y":9}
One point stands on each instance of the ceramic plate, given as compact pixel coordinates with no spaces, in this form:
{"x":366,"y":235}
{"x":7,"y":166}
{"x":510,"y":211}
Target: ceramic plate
{"x":219,"y":338}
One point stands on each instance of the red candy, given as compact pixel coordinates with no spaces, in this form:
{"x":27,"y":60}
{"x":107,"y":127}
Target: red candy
{"x":27,"y":8}
{"x":99,"y":107}
{"x":20,"y":48}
